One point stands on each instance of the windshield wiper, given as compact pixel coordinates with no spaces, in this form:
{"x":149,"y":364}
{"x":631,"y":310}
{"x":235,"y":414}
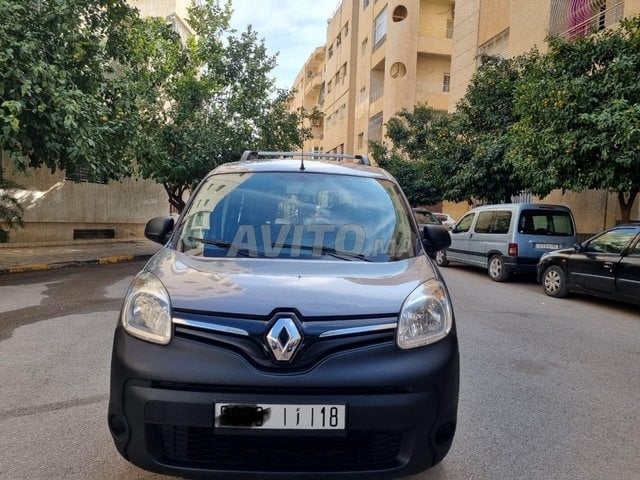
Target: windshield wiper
{"x":332,"y":252}
{"x":226,"y":245}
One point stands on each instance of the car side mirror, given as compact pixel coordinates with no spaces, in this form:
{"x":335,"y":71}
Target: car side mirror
{"x":435,"y":238}
{"x":159,"y":229}
{"x":578,"y":247}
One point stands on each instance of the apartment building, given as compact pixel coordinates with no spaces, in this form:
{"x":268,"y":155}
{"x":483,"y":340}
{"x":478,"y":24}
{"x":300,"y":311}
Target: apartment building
{"x":62,"y":210}
{"x":379,"y":56}
{"x":509,"y":28}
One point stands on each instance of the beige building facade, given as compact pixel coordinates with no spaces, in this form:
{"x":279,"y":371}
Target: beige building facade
{"x":512,"y":27}
{"x":384,"y":55}
{"x":60,"y":211}
{"x":379,"y":57}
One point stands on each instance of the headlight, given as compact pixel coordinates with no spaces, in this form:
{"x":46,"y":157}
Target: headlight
{"x":147,"y":310}
{"x":425,"y":317}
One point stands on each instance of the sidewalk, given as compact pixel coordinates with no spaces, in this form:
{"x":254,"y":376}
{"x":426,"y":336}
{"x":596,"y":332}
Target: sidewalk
{"x":28,"y":259}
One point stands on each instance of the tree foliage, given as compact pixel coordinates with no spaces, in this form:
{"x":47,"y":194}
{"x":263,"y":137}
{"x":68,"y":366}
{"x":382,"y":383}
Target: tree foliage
{"x":214,"y":98}
{"x":61,"y":103}
{"x":485,"y":116}
{"x":580,"y":115}
{"x":413,"y":142}
{"x":461,"y":154}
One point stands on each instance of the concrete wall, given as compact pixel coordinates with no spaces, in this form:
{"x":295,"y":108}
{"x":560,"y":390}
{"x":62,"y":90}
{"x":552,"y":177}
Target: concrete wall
{"x":54,"y":207}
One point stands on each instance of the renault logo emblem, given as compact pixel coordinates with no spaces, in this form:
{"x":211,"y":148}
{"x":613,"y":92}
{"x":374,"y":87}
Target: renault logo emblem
{"x":283,"y":339}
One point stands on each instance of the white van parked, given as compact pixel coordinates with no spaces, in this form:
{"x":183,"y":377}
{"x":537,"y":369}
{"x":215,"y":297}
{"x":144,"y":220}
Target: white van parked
{"x":509,"y":238}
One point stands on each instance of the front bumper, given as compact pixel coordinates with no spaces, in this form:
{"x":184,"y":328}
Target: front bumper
{"x":401,"y":410}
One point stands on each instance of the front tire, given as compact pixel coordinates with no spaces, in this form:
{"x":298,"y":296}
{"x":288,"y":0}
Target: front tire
{"x":554,"y":282}
{"x":498,"y":271}
{"x":441,"y":258}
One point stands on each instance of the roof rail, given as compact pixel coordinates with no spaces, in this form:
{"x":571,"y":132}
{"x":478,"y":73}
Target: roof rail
{"x":255,"y":155}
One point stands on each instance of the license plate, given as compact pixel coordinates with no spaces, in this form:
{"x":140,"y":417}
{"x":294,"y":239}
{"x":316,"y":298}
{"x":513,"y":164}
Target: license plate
{"x":548,"y":246}
{"x":279,"y":416}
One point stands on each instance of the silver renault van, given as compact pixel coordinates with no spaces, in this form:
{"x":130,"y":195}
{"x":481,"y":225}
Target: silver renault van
{"x":509,"y":238}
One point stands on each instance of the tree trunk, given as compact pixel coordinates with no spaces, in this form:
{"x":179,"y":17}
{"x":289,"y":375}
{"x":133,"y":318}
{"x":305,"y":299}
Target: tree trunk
{"x":625,"y":205}
{"x":175,"y":193}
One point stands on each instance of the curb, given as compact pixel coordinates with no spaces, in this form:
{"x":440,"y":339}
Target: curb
{"x":37,"y":267}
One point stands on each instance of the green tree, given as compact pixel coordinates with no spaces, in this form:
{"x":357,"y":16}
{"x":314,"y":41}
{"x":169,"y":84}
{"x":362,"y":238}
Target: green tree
{"x":213,"y":99}
{"x":580,"y":115}
{"x":415,"y":139}
{"x":485,"y":116}
{"x":62,"y":104}
{"x":459,"y":156}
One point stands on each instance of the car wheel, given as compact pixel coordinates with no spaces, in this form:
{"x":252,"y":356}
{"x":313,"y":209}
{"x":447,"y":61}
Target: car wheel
{"x":497,"y":270}
{"x":441,"y":258}
{"x":554,"y":282}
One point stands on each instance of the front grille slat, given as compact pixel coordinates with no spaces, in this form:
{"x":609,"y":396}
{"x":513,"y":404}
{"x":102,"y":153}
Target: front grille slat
{"x":201,"y":447}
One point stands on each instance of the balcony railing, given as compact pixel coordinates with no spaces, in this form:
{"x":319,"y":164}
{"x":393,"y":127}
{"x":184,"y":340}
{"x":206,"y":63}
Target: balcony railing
{"x":376,"y":95}
{"x":576,"y":18}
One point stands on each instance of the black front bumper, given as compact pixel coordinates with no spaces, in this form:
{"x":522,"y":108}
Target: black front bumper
{"x":401,"y":410}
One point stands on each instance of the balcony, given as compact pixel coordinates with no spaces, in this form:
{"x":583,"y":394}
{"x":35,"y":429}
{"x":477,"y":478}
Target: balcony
{"x":313,"y":82}
{"x":577,"y":18}
{"x":435,"y":45}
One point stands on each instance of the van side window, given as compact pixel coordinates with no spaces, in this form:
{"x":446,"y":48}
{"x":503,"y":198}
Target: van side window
{"x":465,"y":223}
{"x":483,"y":225}
{"x":501,"y":222}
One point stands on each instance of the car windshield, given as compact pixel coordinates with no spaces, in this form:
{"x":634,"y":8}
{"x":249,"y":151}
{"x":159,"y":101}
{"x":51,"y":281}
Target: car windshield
{"x":298,"y":215}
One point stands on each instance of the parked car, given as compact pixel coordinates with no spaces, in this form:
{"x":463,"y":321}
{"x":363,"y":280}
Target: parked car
{"x":425,"y":217}
{"x":291,"y":324}
{"x":509,"y":238}
{"x":607,"y":265}
{"x":446,"y":219}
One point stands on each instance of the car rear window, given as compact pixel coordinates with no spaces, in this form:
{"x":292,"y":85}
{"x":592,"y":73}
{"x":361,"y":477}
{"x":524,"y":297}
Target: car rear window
{"x":298,"y":215}
{"x":545,"y":222}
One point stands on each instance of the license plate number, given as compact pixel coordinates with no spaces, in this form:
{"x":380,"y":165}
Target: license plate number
{"x":548,"y":246}
{"x":279,"y":416}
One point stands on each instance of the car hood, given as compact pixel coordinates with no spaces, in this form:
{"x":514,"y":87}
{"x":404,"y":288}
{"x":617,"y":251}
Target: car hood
{"x":314,"y":288}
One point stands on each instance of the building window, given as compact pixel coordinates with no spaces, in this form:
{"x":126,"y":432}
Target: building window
{"x":361,"y":140}
{"x":380,"y":29}
{"x":338,"y":40}
{"x":345,"y":30}
{"x":496,"y":46}
{"x":449,"y":28}
{"x":365,"y":4}
{"x":375,"y":128}
{"x":399,"y":13}
{"x":343,"y":73}
{"x":446,"y":82}
{"x":329,"y":87}
{"x":330,"y":52}
{"x":398,"y":70}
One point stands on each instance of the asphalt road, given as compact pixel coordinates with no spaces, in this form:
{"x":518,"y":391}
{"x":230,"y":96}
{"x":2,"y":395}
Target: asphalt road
{"x":549,"y":388}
